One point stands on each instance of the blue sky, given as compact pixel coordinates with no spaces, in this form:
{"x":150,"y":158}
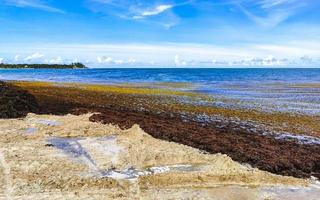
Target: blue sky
{"x":161,"y":33}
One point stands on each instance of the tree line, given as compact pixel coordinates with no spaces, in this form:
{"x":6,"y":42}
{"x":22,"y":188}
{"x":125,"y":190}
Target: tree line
{"x":43,"y":66}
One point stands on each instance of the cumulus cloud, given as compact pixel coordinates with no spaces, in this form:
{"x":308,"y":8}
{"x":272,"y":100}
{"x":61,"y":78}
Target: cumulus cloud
{"x":218,"y":63}
{"x":110,"y":61}
{"x":306,"y":58}
{"x":104,"y":59}
{"x":1,"y":60}
{"x":174,"y":54}
{"x":178,"y":61}
{"x":267,"y":61}
{"x":16,"y":58}
{"x":57,"y":60}
{"x":34,"y":56}
{"x":36,"y":4}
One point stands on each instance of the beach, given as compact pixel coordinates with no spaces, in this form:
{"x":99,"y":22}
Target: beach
{"x":69,"y":157}
{"x":151,"y":141}
{"x":160,"y":100}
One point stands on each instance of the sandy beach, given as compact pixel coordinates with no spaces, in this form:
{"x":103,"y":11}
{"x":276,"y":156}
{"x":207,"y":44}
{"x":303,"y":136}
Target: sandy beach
{"x":122,"y":142}
{"x":69,"y":157}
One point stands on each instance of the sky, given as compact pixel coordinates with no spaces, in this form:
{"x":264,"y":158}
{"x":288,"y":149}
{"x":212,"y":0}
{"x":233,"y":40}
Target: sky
{"x":161,"y":33}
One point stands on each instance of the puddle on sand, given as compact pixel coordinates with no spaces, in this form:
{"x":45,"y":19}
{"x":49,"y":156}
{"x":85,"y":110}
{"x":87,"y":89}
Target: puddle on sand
{"x":73,"y":148}
{"x":84,"y":150}
{"x":127,"y":174}
{"x":133,"y":174}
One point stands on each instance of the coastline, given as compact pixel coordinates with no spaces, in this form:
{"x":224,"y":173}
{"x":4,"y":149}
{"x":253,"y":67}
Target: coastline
{"x":247,"y":136}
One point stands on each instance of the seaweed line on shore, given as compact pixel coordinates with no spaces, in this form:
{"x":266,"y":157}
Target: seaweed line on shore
{"x":231,"y":132}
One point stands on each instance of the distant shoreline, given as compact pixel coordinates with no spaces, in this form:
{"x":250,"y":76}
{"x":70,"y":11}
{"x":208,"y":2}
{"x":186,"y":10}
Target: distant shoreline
{"x":43,"y":66}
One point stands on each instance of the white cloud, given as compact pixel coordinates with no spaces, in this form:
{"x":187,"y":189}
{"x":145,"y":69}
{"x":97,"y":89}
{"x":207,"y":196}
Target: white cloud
{"x":269,"y":61}
{"x":270,"y":20}
{"x":111,"y":61}
{"x":267,"y":4}
{"x":154,"y":11}
{"x":218,"y":62}
{"x":57,"y":60}
{"x":17,"y":58}
{"x":1,"y":60}
{"x":306,"y":58}
{"x":104,"y":59}
{"x":178,"y":61}
{"x":34,"y":56}
{"x":266,"y":61}
{"x":270,"y":13}
{"x":36,"y":4}
{"x":310,"y":60}
{"x":144,"y":11}
{"x":163,"y":54}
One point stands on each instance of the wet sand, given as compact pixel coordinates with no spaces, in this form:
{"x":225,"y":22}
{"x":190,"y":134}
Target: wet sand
{"x":69,"y":157}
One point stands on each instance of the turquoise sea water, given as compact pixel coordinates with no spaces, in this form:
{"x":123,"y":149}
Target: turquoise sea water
{"x":293,"y":90}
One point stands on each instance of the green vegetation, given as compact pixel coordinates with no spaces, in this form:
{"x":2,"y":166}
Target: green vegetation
{"x":43,"y":66}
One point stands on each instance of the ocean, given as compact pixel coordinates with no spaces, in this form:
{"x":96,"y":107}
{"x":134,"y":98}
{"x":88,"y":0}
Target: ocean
{"x":283,"y":90}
